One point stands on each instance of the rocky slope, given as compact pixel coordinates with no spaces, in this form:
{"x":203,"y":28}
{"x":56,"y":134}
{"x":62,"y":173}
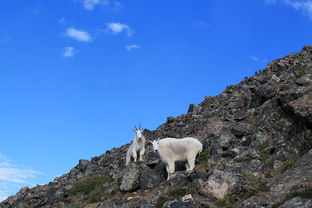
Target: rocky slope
{"x":257,"y":153}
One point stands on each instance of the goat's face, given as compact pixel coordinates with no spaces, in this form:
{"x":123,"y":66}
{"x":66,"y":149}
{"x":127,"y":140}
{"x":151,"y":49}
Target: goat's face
{"x":139,"y":133}
{"x":155,"y":144}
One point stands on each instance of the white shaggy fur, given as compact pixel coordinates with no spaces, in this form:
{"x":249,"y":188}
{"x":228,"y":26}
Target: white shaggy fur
{"x":138,"y":145}
{"x":173,"y":150}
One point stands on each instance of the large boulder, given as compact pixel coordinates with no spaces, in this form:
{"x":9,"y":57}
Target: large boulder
{"x":220,"y":184}
{"x":131,"y":179}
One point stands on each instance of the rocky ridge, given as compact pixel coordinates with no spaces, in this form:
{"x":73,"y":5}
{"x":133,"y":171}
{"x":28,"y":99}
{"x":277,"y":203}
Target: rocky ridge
{"x":257,"y":153}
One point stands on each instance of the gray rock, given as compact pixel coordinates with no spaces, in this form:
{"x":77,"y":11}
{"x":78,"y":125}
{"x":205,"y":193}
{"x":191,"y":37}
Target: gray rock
{"x":130,"y":180}
{"x":297,"y":202}
{"x":151,"y":178}
{"x":220,"y":184}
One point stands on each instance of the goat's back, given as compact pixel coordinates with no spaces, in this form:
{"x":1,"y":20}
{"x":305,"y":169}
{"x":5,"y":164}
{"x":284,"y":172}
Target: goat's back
{"x":180,"y":146}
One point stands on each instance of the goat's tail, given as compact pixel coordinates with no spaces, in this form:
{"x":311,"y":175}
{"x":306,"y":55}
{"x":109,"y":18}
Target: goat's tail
{"x":127,"y":158}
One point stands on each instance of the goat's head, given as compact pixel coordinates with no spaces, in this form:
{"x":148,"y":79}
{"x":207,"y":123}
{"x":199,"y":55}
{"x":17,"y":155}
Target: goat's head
{"x":139,"y":132}
{"x":155,"y":144}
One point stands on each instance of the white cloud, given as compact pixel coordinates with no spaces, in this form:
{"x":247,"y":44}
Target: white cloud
{"x":202,"y":24}
{"x":79,"y":35}
{"x":90,"y":4}
{"x":13,"y":177}
{"x":257,"y":59}
{"x":36,"y":11}
{"x":132,"y":47}
{"x":254,"y":58}
{"x":117,"y":6}
{"x":69,"y":51}
{"x":62,"y":20}
{"x":304,"y":6}
{"x":116,"y":27}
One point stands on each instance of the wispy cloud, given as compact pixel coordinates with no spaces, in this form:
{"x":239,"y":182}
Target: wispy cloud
{"x":79,"y":35}
{"x":201,"y":24}
{"x":304,"y":6}
{"x":69,"y":52}
{"x":62,"y":20}
{"x":91,"y":4}
{"x":116,"y":28}
{"x":117,"y":6}
{"x":132,"y":47}
{"x":12,"y":176}
{"x":36,"y":11}
{"x":257,"y":59}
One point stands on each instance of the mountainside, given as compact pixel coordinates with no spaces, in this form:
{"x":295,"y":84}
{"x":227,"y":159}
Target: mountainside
{"x":257,"y":153}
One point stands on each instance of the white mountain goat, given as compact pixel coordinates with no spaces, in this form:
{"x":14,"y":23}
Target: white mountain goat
{"x":173,"y":150}
{"x":138,"y":145}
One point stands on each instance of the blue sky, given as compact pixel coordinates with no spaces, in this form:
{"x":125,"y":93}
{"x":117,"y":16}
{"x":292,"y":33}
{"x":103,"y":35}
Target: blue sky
{"x":76,"y":75}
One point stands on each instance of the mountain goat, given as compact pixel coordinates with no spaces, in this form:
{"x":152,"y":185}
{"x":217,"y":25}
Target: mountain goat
{"x":138,"y":145}
{"x":173,"y":150}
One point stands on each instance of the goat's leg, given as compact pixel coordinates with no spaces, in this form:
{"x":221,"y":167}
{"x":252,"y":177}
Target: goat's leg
{"x":134,"y":154}
{"x":187,"y":166}
{"x":191,"y":163}
{"x":142,"y":152}
{"x":171,"y":169}
{"x":128,"y":158}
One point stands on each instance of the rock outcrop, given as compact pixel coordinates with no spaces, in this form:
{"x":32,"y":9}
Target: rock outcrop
{"x":257,"y":138}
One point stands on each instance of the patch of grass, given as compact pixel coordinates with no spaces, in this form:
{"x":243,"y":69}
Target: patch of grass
{"x":264,"y":145}
{"x":256,"y":185}
{"x":203,"y":159}
{"x":242,"y":159}
{"x":267,"y":159}
{"x":306,"y":194}
{"x":93,"y":187}
{"x":175,"y":193}
{"x":301,"y":72}
{"x":286,"y":165}
{"x":161,"y":201}
{"x":24,"y":205}
{"x":87,"y":185}
{"x":171,"y":195}
{"x":97,"y":195}
{"x":228,"y":201}
{"x":64,"y":199}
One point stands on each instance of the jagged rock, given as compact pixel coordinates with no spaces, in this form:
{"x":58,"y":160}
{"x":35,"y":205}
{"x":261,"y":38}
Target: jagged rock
{"x":220,"y":184}
{"x":254,"y":202}
{"x":179,"y":178}
{"x":296,"y":179}
{"x":83,"y":164}
{"x":177,"y":204}
{"x":130,"y":180}
{"x":297,"y":202}
{"x":151,"y":178}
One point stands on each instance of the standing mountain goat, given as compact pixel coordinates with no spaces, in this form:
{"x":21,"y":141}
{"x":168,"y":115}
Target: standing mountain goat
{"x":173,"y":150}
{"x":138,"y":145}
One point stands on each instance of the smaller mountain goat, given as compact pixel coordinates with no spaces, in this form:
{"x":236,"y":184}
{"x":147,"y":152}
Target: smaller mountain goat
{"x":173,"y":150}
{"x":138,"y":145}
